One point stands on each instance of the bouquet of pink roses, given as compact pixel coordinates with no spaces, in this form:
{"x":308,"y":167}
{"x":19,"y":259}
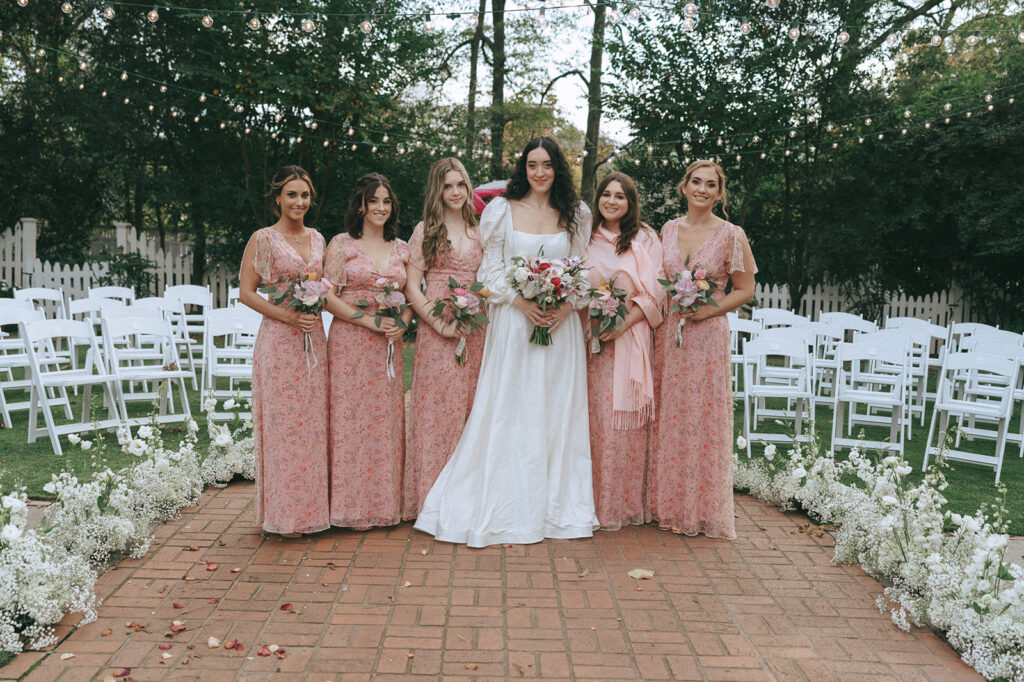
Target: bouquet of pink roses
{"x":308,"y":294}
{"x":691,"y":288}
{"x":548,"y":282}
{"x":607,"y":311}
{"x":464,"y":307}
{"x":390,"y":303}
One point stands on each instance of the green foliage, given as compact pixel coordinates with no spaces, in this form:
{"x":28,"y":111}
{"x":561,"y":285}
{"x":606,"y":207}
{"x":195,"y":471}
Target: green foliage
{"x":128,"y":270}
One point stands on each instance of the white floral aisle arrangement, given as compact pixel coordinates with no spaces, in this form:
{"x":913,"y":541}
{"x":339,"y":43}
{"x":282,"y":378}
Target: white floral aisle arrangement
{"x":956,"y":582}
{"x":49,"y":571}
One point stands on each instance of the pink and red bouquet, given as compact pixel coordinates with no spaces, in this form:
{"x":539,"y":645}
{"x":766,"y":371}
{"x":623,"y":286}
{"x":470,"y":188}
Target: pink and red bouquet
{"x":464,"y":307}
{"x":390,"y":303}
{"x":306,"y":294}
{"x":607,"y":311}
{"x":548,"y":282}
{"x":691,"y":288}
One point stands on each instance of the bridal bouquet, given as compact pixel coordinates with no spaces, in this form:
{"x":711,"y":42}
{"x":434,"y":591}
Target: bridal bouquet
{"x":607,"y":311}
{"x":547,"y":282}
{"x":691,"y":288}
{"x":464,"y":306}
{"x":390,"y":303}
{"x":307,"y":294}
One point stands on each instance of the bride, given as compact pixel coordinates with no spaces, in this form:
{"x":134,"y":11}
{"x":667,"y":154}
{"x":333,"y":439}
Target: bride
{"x":521,"y":470}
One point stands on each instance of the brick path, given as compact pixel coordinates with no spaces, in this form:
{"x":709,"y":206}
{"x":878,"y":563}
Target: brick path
{"x":392,"y":603}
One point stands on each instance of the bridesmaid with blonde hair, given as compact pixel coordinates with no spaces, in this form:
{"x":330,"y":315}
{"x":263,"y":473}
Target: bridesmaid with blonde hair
{"x":289,"y":396}
{"x":690,"y":476}
{"x":626,"y":254}
{"x":367,"y":433}
{"x":444,"y":245}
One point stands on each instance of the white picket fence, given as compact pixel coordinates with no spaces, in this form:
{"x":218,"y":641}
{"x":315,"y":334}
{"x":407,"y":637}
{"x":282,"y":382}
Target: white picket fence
{"x":20,"y":267}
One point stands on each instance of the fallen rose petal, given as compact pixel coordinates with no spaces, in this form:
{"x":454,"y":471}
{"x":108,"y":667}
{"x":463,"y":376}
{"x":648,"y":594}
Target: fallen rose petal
{"x":106,"y":633}
{"x":471,"y":666}
{"x":123,"y":672}
{"x":407,"y":583}
{"x":130,"y":624}
{"x":214,"y":600}
{"x":231,"y":644}
{"x":286,"y":607}
{"x":281,"y":654}
{"x":178,"y":605}
{"x":212,"y":566}
{"x":423,"y":552}
{"x":213,"y":643}
{"x":177,"y":628}
{"x":177,"y":622}
{"x":193,"y":548}
{"x":186,"y":661}
{"x":65,"y":657}
{"x":641,"y":574}
{"x":165,"y":646}
{"x":263,"y":651}
{"x":166,"y":655}
{"x":592,"y":628}
{"x":272,"y":648}
{"x":235,"y":569}
{"x":584,"y":573}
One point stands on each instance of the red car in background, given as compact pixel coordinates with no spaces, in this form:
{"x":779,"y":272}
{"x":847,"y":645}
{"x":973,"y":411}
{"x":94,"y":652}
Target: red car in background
{"x":483,"y":194}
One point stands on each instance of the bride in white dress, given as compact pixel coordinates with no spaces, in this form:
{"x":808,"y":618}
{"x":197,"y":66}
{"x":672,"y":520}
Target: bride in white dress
{"x":521,"y":470}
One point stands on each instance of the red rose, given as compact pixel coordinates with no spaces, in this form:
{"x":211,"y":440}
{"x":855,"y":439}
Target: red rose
{"x":556,"y":281}
{"x":541,"y":267}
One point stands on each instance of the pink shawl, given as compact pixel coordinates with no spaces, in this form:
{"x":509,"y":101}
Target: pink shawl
{"x":636,"y":272}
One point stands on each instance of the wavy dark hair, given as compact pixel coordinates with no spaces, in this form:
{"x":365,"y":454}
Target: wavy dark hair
{"x":364,"y":190}
{"x":282,"y":178}
{"x":563,"y":197}
{"x":630,"y":224}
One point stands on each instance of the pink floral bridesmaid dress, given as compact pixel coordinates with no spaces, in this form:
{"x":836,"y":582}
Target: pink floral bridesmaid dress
{"x":367,"y":407}
{"x":442,"y":390}
{"x":690,"y":470}
{"x":619,"y":437}
{"x":289,"y":403}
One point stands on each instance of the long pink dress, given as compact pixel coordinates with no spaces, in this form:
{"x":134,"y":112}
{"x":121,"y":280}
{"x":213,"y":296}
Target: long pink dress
{"x":442,"y":391}
{"x":289,"y":403}
{"x":690,"y":470}
{"x":367,"y":407}
{"x":619,"y":456}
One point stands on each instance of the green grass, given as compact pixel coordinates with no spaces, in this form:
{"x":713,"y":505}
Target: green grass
{"x":970,"y":484}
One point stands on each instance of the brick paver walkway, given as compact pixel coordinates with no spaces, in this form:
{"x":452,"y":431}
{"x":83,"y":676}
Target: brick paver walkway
{"x":392,"y":603}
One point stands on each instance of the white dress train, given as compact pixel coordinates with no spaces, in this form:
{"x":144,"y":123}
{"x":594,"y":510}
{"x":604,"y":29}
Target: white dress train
{"x":521,"y":470}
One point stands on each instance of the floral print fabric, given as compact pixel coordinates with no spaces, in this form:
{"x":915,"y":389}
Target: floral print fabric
{"x":442,"y":391}
{"x":289,"y":403}
{"x":367,"y":416}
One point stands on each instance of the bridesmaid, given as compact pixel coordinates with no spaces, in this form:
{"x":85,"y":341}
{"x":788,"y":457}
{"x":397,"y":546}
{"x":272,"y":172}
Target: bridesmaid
{"x":443,"y":245}
{"x":620,"y":383}
{"x":289,"y":400}
{"x":690,"y":476}
{"x":367,"y":442}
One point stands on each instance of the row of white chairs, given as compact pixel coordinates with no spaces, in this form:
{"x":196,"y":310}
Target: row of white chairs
{"x":880,"y":377}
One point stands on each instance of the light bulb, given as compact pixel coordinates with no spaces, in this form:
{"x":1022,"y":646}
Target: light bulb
{"x":454,"y":149}
{"x":195,"y":119}
{"x":636,"y":162}
{"x":278,"y":117}
{"x":108,"y":11}
{"x":906,"y":113}
{"x":763,"y":155}
{"x":248,"y":130}
{"x":103,"y":94}
{"x":844,"y":37}
{"x":386,"y":138}
{"x":772,"y":4}
{"x":664,"y":162}
{"x":890,"y":39}
{"x":935,"y":40}
{"x":350,"y":132}
{"x":327,"y":143}
{"x":82,"y":65}
{"x":690,"y":9}
{"x":65,"y":7}
{"x":689,"y":23}
{"x":365,"y":26}
{"x":23,"y":3}
{"x":126,"y":100}
{"x":634,"y":12}
{"x":686,"y":146}
{"x":880,"y":136}
{"x":946,"y":120}
{"x":353,"y":147}
{"x":719,"y":142}
{"x":614,"y":16}
{"x":830,"y":126}
{"x":686,"y":160}
{"x":373,"y":149}
{"x":207,"y":20}
{"x":991,"y":107}
{"x":792,"y":133}
{"x":867,"y":121}
{"x":471,"y":20}
{"x":737,"y":158}
{"x":254,"y":22}
{"x":542,"y":17}
{"x":154,"y":14}
{"x":972,"y":39}
{"x":298,"y":140}
{"x":163,"y":89}
{"x":755,"y":139}
{"x":988,"y":96}
{"x":835,"y":145}
{"x":151,"y":107}
{"x":223,"y":125}
{"x":928,"y":124}
{"x":1020,"y":36}
{"x":308,"y":25}
{"x":314,"y":125}
{"x":968,"y":114}
{"x":794,"y":32}
{"x":789,"y":152}
{"x":124,"y":75}
{"x":947,"y":106}
{"x":239,"y":108}
{"x":813,"y":148}
{"x":903,"y":131}
{"x":1010,"y":100}
{"x":745,"y":27}
{"x":273,"y":135}
{"x":202,"y":97}
{"x":860,"y":140}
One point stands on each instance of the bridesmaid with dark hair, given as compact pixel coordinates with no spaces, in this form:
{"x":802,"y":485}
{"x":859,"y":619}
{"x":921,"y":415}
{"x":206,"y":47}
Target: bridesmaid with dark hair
{"x":367,"y":434}
{"x":289,"y":399}
{"x":627,"y":254}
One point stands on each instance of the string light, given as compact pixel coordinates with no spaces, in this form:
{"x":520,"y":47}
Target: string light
{"x":1020,"y":36}
{"x":307,"y":24}
{"x":207,"y":20}
{"x":690,"y":9}
{"x":350,"y":132}
{"x":108,"y":11}
{"x":947,"y":106}
{"x":202,"y":97}
{"x":794,"y":32}
{"x":254,"y":21}
{"x":154,"y":14}
{"x":365,"y":26}
{"x":844,"y":36}
{"x":972,"y":39}
{"x":772,"y":4}
{"x":385,"y":139}
{"x":65,"y":7}
{"x":223,"y":125}
{"x":867,"y":121}
{"x":988,"y":96}
{"x":935,"y":40}
{"x":903,"y":131}
{"x":22,"y":3}
{"x":326,"y":143}
{"x":890,"y":39}
{"x":634,"y":11}
{"x":745,"y":26}
{"x":163,"y":89}
{"x":906,"y":113}
{"x":542,"y":17}
{"x":689,"y":23}
{"x":124,"y":75}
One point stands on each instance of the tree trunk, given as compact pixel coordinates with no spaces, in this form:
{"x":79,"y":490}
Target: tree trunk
{"x":478,"y":36}
{"x":198,"y":238}
{"x":498,"y":91}
{"x":588,"y":185}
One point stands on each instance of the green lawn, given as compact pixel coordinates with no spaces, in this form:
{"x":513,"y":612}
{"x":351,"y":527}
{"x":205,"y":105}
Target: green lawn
{"x":970,"y":484}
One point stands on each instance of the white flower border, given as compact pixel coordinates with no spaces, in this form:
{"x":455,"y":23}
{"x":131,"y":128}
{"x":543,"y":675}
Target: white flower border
{"x":50,"y":571}
{"x":956,"y":582}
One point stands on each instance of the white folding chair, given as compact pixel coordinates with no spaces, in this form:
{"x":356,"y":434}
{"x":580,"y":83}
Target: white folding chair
{"x":863,"y":385}
{"x":848,"y":321}
{"x":1014,"y":352}
{"x":142,"y":349}
{"x":124,"y":294}
{"x":234,"y":295}
{"x":193,"y":322}
{"x":961,"y":331}
{"x":226,"y":358}
{"x":50,"y":301}
{"x":826,"y":339}
{"x":89,"y":310}
{"x":770,"y":318}
{"x":973,"y":387}
{"x":48,"y":373}
{"x":740,"y":330}
{"x":13,"y":359}
{"x":11,"y":307}
{"x":777,"y":367}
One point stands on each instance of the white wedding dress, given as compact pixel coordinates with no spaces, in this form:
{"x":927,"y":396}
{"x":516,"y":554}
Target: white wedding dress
{"x":521,"y":470}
